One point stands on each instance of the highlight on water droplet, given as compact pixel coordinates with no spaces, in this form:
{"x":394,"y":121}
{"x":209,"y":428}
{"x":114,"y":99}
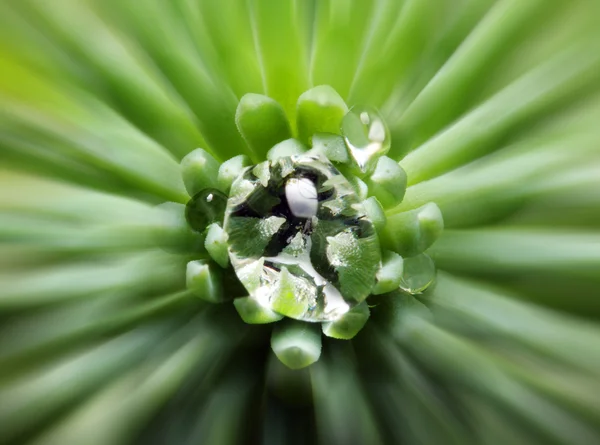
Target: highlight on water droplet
{"x":204,"y":208}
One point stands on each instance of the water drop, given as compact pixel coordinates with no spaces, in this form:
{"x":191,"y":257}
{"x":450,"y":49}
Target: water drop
{"x":419,"y":274}
{"x":204,"y":208}
{"x":301,"y":243}
{"x":366,"y":136}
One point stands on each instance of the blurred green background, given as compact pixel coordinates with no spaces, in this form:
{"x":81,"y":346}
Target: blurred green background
{"x":494,"y":110}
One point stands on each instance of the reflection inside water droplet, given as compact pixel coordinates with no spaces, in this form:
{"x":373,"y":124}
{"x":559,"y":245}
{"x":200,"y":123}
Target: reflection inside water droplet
{"x":301,"y":196}
{"x":299,"y":239}
{"x":366,"y":136}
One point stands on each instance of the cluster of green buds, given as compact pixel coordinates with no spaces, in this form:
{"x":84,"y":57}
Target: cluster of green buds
{"x":303,"y":231}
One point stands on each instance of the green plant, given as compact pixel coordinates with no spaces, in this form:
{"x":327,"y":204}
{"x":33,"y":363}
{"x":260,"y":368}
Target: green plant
{"x":492,"y":108}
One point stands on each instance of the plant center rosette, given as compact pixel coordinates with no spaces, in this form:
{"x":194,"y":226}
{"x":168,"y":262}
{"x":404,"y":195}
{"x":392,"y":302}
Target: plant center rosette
{"x":303,"y":230}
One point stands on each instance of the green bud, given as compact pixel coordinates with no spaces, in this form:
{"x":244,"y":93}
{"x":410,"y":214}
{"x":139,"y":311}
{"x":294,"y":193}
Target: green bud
{"x":230,"y":170}
{"x":349,"y":324}
{"x":296,"y":344}
{"x":254,"y":313}
{"x":199,"y":171}
{"x":375,"y":212}
{"x":319,"y":110}
{"x":389,"y":275}
{"x":387,"y":182}
{"x":288,"y":147}
{"x":172,"y":232}
{"x":204,"y":281}
{"x":292,"y":386}
{"x":262,"y":123}
{"x":410,"y":233}
{"x":332,"y":146}
{"x":216,"y":245}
